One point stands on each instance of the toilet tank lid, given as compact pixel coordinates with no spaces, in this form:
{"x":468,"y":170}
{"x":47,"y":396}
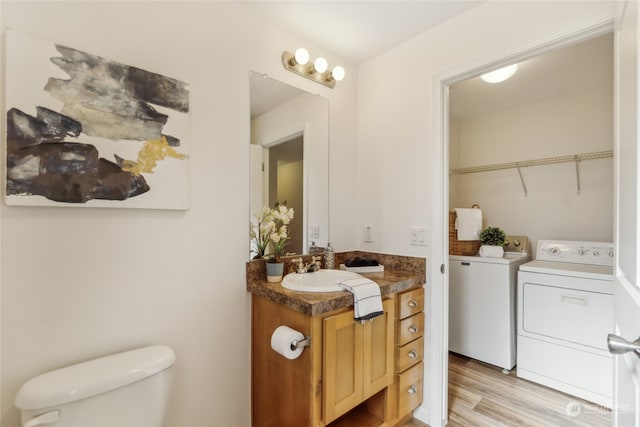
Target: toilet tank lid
{"x":93,"y":377}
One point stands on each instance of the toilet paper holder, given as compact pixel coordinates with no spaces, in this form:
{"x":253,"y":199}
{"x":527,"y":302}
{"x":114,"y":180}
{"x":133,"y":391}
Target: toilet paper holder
{"x":305,"y":342}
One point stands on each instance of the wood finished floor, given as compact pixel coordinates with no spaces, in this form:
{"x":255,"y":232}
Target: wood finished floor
{"x":480,"y":395}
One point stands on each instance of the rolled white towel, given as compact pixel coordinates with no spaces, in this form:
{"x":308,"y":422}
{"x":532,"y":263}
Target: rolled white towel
{"x":491,"y":251}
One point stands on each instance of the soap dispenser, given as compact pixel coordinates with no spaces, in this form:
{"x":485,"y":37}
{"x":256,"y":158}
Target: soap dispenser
{"x":329,"y":257}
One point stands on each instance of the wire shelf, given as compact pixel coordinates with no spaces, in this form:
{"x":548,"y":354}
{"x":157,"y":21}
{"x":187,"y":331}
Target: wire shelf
{"x":576,"y":158}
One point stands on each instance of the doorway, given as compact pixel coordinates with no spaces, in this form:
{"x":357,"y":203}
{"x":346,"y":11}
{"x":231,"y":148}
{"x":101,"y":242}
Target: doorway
{"x":285,"y":177}
{"x":277,"y":176}
{"x":558,"y":105}
{"x":439,"y":276}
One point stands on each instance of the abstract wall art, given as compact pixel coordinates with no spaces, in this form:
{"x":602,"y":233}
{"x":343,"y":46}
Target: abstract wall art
{"x":82,"y":130}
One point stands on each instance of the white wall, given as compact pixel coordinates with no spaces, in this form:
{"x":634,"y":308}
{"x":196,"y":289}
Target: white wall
{"x":79,"y":283}
{"x":395,"y":107}
{"x":567,"y":125}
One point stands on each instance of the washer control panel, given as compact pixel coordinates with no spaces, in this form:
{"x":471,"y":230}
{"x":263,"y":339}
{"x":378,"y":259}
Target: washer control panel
{"x":596,"y":253}
{"x":516,"y":244}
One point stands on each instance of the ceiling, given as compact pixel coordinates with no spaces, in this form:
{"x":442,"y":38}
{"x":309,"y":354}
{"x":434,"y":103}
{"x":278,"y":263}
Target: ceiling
{"x":356,"y":30}
{"x":360,"y":30}
{"x":560,"y":72}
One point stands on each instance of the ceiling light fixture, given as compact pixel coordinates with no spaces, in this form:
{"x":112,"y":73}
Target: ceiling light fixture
{"x":500,"y":75}
{"x":317,"y":70}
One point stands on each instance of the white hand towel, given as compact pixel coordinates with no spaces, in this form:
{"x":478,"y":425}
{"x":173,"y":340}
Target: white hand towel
{"x":468,"y":223}
{"x":367,"y":302}
{"x":491,"y":251}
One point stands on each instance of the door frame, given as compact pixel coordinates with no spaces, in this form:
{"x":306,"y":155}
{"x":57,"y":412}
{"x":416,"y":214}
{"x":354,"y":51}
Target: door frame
{"x":626,"y":295}
{"x":436,"y":411}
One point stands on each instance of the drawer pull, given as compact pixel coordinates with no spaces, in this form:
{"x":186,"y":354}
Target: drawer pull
{"x":413,"y":303}
{"x":465,"y":263}
{"x":412,"y":390}
{"x":412,"y":354}
{"x":413,"y":329}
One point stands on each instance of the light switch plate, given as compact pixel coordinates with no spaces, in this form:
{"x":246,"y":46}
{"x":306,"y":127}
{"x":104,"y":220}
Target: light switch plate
{"x":314,"y":231}
{"x":368,"y":233}
{"x":417,"y":236}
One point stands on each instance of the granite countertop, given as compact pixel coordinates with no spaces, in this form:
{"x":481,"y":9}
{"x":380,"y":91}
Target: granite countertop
{"x":314,"y":303}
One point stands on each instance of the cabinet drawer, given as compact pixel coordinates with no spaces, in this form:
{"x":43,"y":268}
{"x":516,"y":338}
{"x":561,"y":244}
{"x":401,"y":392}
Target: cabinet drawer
{"x":409,"y":389}
{"x":410,"y":303}
{"x":409,"y":354}
{"x":410,"y":328}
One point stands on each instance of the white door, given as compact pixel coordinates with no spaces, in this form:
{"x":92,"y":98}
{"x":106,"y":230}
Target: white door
{"x":626,"y":395}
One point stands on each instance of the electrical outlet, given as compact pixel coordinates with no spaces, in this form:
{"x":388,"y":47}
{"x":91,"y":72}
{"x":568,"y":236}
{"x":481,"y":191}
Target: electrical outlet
{"x":417,"y":236}
{"x":368,"y":233}
{"x":314,"y":231}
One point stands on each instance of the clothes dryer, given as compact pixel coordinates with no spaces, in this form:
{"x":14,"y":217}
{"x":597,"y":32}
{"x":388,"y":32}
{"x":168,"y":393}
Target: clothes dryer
{"x":565,"y":311}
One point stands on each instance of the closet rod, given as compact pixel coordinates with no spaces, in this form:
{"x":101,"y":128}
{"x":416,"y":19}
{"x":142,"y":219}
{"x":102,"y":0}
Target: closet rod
{"x":537,"y":162}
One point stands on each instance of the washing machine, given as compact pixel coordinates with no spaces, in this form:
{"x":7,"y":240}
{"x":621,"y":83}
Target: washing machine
{"x":482,"y":304}
{"x":565,"y":311}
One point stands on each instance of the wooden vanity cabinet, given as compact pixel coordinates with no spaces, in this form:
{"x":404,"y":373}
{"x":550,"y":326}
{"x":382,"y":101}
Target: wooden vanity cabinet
{"x":283,"y":392}
{"x":357,"y":359}
{"x":409,"y":353}
{"x":348,"y":365}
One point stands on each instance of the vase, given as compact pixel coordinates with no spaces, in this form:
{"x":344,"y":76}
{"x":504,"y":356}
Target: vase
{"x":491,"y":251}
{"x":274,"y":271}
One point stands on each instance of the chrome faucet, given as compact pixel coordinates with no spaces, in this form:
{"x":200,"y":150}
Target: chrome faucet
{"x":314,"y":265}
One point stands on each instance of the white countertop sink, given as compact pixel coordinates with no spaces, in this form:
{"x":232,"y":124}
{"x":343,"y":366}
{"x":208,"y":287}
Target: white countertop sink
{"x":318,"y":281}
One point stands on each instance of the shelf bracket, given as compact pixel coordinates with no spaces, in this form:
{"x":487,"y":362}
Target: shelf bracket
{"x":577,"y":160}
{"x":524,"y":187}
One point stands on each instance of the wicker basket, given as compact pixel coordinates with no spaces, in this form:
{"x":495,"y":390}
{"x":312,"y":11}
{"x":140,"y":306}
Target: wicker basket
{"x":457,"y":247}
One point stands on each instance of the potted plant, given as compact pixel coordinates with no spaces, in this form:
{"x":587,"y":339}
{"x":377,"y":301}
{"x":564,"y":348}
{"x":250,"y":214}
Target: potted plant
{"x":281,"y":216}
{"x":492,"y":240}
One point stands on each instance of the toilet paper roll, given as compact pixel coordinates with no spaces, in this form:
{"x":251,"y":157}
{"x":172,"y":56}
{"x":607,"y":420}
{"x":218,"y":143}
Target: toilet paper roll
{"x":281,"y":341}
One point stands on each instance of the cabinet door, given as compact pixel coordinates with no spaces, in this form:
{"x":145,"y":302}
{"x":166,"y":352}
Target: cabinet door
{"x":378,"y":349}
{"x":342,"y":361}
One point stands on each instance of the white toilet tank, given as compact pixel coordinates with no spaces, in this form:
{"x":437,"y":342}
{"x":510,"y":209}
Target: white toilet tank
{"x":128,"y":389}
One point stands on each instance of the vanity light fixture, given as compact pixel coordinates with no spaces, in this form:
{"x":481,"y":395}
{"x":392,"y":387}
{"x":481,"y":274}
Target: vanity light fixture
{"x":301,"y":56}
{"x":500,"y":74}
{"x":318,"y":70}
{"x":320,"y":65}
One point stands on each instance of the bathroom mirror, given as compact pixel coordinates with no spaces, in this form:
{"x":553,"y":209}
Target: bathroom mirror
{"x":290,"y":158}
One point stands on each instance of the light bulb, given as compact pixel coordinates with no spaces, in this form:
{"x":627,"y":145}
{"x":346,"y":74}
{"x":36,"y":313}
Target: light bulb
{"x":500,"y":75}
{"x":301,"y":56}
{"x":320,"y":65}
{"x":337,"y":73}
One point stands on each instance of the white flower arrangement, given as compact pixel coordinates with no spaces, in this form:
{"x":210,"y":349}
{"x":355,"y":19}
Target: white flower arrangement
{"x":271,"y":229}
{"x":260,"y":233}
